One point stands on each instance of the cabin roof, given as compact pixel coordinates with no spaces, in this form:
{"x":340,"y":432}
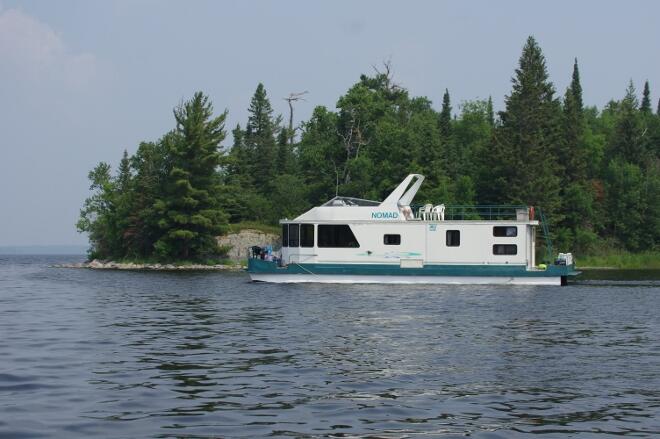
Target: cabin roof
{"x":349,"y":201}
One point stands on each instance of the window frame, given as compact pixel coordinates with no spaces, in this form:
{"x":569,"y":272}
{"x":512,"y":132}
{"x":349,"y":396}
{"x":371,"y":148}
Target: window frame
{"x":396,"y":236}
{"x":448,"y":241}
{"x":297,"y":235}
{"x":307,"y":243}
{"x":506,"y":246}
{"x":505,"y":229}
{"x":285,"y":235}
{"x":322,"y":235}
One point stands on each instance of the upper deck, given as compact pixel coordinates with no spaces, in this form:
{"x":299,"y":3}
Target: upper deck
{"x":398,"y":207}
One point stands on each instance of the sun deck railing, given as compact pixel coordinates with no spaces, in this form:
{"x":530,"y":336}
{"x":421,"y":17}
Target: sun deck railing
{"x":454,"y":212}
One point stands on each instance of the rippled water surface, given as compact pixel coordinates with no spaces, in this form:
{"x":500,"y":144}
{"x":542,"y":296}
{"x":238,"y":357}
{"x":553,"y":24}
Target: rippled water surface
{"x":131,"y":354}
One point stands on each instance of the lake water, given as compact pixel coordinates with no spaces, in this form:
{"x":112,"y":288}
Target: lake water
{"x":135,"y":354}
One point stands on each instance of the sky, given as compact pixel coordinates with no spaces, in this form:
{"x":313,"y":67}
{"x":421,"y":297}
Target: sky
{"x":80,"y":81}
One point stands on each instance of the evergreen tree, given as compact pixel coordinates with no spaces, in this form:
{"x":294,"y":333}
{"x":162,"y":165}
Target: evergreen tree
{"x":284,"y":161}
{"x":523,"y":163}
{"x":124,"y":177}
{"x":574,"y":156}
{"x":490,"y":115}
{"x":454,"y":159}
{"x":626,"y":139}
{"x":260,"y":138}
{"x":657,"y":110}
{"x":445,"y":116}
{"x":150,"y":165}
{"x":645,"y":107}
{"x":190,"y":213}
{"x":576,"y":86}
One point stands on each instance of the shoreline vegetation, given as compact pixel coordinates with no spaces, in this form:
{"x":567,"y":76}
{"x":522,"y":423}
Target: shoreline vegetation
{"x":648,"y":260}
{"x":594,"y":172}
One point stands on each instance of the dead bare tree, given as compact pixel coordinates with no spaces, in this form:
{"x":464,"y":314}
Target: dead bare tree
{"x":388,"y":73}
{"x":352,"y":139}
{"x":293,"y":97}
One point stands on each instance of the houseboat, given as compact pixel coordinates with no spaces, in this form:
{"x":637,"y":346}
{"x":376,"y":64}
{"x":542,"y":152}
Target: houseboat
{"x":351,"y":240}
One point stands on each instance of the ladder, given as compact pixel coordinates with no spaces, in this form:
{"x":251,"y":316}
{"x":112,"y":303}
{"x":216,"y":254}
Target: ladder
{"x":546,"y":235}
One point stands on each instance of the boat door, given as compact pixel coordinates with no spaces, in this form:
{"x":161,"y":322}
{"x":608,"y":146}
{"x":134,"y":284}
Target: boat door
{"x":302,"y":243}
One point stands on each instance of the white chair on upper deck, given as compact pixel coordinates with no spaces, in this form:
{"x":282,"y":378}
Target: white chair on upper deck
{"x":438,"y":212}
{"x":425,"y":212}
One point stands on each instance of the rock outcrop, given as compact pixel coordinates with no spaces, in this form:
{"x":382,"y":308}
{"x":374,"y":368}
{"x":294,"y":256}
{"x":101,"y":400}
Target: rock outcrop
{"x":110,"y":265}
{"x":238,"y":243}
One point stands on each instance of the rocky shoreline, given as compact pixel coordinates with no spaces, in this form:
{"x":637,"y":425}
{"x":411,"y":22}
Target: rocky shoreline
{"x":111,"y":265}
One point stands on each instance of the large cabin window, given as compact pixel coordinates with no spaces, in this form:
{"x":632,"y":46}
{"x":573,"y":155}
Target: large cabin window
{"x":307,"y":235}
{"x":505,"y":231}
{"x":337,"y":236}
{"x":453,"y":238}
{"x":294,"y":231}
{"x":392,"y":239}
{"x":285,"y":235}
{"x":505,"y":249}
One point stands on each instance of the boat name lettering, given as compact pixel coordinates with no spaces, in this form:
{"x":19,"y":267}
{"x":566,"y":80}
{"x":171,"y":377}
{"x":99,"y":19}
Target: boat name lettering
{"x":384,"y":215}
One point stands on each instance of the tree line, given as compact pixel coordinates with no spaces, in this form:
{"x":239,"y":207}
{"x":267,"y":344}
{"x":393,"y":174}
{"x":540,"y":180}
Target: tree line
{"x":596,"y":173}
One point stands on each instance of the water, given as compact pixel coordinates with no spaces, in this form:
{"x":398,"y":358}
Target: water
{"x":129,"y":354}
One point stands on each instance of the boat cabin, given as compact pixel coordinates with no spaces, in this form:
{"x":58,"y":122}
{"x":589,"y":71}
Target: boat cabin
{"x":398,"y":232}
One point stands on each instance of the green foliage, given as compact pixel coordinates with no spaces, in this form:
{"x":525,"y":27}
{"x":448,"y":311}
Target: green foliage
{"x":647,"y":260}
{"x":595,"y":173}
{"x":164,"y":201}
{"x":523,"y":165}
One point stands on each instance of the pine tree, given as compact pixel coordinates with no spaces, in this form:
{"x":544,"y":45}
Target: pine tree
{"x":657,"y":110}
{"x":573,"y":154}
{"x":626,"y":140}
{"x":284,"y":153}
{"x":490,"y":115}
{"x":523,"y":162}
{"x":445,"y":116}
{"x":124,"y":177}
{"x":150,"y":166}
{"x":576,"y":87}
{"x":645,"y":107}
{"x":260,"y":138}
{"x":190,"y":214}
{"x":454,"y":159}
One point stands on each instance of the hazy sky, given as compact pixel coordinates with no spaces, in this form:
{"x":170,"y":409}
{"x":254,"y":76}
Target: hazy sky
{"x":80,"y":81}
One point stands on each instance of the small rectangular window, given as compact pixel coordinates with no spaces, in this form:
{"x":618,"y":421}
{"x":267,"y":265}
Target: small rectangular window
{"x":285,"y":235}
{"x":505,"y":249}
{"x":392,"y":239}
{"x":453,"y":238}
{"x":505,"y":231}
{"x":307,"y":235}
{"x":294,"y":230}
{"x":337,"y":236}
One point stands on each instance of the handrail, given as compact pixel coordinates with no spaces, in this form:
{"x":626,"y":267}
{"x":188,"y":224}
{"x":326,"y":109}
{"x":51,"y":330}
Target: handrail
{"x":478,"y":212}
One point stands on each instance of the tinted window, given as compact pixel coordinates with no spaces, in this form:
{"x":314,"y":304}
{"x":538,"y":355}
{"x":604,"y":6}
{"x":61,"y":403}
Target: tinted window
{"x":453,"y":238}
{"x":294,"y":229}
{"x":392,"y":239}
{"x":508,"y":231}
{"x":339,"y":236}
{"x":285,"y":235}
{"x":307,"y":235}
{"x":505,"y":249}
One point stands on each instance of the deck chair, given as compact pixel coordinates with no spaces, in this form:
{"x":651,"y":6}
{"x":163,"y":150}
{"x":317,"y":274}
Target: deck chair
{"x":438,"y":212}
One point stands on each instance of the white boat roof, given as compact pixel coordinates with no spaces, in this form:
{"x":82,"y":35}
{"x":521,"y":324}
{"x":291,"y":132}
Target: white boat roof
{"x":393,"y":208}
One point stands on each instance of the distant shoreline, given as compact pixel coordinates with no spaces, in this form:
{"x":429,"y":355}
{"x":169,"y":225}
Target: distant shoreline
{"x":72,"y":250}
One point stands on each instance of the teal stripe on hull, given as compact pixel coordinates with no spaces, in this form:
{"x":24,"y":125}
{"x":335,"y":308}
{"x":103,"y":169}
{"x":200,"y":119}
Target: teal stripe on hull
{"x":258,"y":266}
